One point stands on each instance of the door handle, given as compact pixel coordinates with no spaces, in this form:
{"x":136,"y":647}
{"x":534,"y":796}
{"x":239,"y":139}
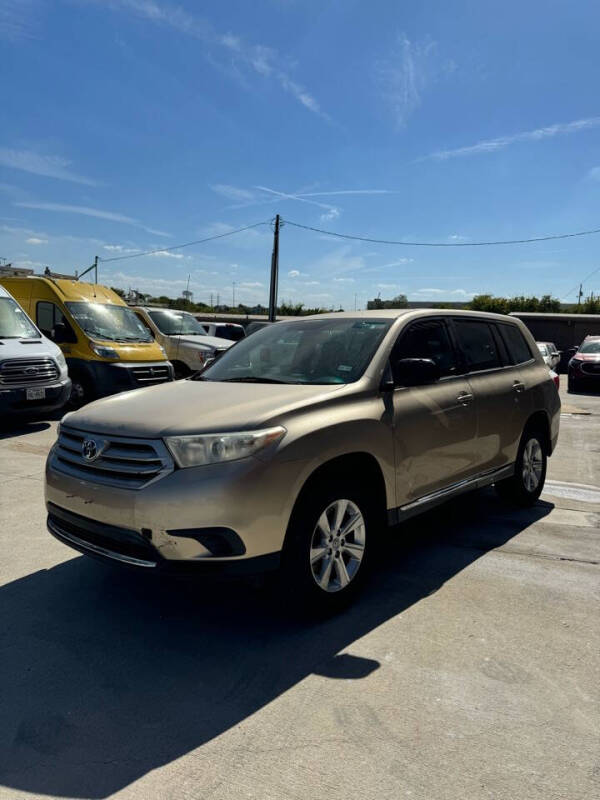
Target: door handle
{"x":464,"y":398}
{"x":518,"y":386}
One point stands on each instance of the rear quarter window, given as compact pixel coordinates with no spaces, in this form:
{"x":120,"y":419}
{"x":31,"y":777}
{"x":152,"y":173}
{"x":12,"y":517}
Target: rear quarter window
{"x":516,"y":344}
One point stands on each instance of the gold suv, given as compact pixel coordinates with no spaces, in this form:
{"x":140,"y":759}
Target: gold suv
{"x":295,"y":448}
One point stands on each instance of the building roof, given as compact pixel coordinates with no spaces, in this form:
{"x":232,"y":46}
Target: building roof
{"x":554,"y":315}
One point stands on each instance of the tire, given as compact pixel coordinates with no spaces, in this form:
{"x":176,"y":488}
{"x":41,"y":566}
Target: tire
{"x":571,"y":385}
{"x":339,"y":566}
{"x":525,"y":486}
{"x":82,"y":391}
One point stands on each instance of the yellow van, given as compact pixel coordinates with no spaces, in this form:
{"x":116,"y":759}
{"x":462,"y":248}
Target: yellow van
{"x":107,"y":348}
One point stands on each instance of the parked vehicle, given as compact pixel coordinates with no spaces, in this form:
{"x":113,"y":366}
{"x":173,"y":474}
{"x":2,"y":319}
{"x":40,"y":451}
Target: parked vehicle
{"x":252,"y":327}
{"x":107,"y":348}
{"x":556,"y":378}
{"x":341,"y":423}
{"x":184,"y":339}
{"x":549,"y":353}
{"x":584,"y":366}
{"x":33,"y":371}
{"x":223,"y":330}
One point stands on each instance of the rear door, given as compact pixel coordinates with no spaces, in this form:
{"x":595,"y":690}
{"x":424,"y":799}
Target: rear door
{"x":497,"y":389}
{"x":434,"y":425}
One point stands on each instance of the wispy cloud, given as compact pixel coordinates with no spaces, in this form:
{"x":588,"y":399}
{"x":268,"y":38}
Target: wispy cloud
{"x":255,"y":59}
{"x":290,"y":196}
{"x":36,"y":240}
{"x":39,"y":164}
{"x":85,"y":211}
{"x":233,"y":192}
{"x":402,"y":77}
{"x":17,"y":19}
{"x":167,"y":254}
{"x":594,"y":174}
{"x":501,"y":142}
{"x":119,"y":248}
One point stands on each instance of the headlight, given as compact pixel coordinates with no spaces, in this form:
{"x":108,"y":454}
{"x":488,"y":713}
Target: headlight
{"x":103,"y":351}
{"x":194,"y":451}
{"x":61,"y":361}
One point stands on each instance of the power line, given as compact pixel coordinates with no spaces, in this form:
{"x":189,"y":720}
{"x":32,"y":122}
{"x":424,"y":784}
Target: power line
{"x":186,"y":244}
{"x":583,"y":281}
{"x":442,"y":244}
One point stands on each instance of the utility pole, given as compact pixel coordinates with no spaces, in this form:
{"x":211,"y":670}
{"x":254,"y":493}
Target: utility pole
{"x":212,"y":308}
{"x":95,"y":269}
{"x":233,"y":294}
{"x":218,"y":299}
{"x":580,"y":295}
{"x":274,"y":272}
{"x":355,"y":302}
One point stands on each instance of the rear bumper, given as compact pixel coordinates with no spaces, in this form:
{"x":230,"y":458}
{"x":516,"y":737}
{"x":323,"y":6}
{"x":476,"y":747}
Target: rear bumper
{"x":128,"y":548}
{"x":14,"y":400}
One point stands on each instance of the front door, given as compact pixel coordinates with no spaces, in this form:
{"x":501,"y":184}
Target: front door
{"x":434,"y":425}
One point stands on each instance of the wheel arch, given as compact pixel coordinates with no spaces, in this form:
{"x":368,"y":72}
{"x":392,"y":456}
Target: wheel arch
{"x":356,"y":465}
{"x":539,"y":420}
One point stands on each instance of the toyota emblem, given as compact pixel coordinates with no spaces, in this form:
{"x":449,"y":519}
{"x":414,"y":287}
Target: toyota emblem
{"x":90,"y":449}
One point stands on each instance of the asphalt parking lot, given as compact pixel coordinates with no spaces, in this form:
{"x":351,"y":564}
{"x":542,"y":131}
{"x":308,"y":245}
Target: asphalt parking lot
{"x":469,"y":669}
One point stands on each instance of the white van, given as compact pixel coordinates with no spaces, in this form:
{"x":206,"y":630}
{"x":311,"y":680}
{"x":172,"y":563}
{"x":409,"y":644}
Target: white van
{"x":33,"y":370}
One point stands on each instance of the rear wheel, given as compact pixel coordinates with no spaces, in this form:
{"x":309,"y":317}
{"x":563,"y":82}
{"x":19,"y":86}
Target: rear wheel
{"x":570,"y":385}
{"x":525,"y":486}
{"x":327,"y":548}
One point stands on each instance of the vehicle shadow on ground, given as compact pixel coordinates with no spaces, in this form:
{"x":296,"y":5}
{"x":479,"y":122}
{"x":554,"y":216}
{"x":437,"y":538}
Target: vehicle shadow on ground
{"x":107,"y":675}
{"x":21,"y":426}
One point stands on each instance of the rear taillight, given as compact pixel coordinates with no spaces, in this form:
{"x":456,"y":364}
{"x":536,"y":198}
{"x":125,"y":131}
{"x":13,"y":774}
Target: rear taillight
{"x":555,"y":378}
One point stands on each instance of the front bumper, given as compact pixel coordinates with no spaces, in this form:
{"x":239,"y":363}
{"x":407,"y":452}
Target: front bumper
{"x":179,"y":515}
{"x":129,"y":548}
{"x":108,"y":377}
{"x":14,"y":400}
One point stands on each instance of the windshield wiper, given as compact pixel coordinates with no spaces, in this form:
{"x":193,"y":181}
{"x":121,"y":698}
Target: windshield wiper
{"x":252,"y":379}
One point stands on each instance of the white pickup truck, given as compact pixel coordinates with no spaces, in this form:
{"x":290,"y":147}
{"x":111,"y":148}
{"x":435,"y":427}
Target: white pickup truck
{"x":33,"y":370}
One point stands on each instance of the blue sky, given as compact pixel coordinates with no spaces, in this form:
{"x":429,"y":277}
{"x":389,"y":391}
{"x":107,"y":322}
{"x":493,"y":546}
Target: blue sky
{"x":134,"y":124}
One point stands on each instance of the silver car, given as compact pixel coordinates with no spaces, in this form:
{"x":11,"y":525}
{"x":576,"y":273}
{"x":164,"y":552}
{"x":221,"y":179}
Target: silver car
{"x":549,"y":353}
{"x":296,"y":448}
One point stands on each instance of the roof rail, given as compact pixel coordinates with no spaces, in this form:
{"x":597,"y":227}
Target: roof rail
{"x":22,"y":272}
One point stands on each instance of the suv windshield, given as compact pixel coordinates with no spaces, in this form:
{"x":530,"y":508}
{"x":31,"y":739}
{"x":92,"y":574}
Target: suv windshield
{"x":14,"y":322}
{"x":173,"y":323}
{"x":109,"y":323}
{"x":317,"y":351}
{"x":590,"y":347}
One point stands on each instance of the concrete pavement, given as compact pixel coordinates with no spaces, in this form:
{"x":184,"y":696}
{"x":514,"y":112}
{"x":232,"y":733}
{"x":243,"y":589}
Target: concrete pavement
{"x":469,"y":668}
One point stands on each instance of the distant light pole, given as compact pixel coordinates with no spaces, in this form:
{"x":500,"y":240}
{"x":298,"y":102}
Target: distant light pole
{"x":355,"y":302}
{"x":233,"y":294}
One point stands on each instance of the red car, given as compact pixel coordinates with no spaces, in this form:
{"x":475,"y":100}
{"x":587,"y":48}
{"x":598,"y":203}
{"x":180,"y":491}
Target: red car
{"x":584,"y":367}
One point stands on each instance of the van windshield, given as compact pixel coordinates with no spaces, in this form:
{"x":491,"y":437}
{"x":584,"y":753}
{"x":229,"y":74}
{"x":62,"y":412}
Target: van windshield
{"x":174,"y":323}
{"x":109,"y":323}
{"x":14,"y":322}
{"x":317,"y":351}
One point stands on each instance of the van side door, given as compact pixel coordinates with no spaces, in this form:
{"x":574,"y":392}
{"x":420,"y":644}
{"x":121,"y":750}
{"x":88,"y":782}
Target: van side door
{"x":497,"y":389}
{"x":434,"y":425}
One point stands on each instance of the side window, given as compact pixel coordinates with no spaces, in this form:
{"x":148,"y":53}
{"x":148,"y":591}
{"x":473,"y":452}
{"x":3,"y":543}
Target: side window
{"x":478,"y":345}
{"x":428,"y":339}
{"x":45,"y":318}
{"x":48,"y":317}
{"x":516,"y":344}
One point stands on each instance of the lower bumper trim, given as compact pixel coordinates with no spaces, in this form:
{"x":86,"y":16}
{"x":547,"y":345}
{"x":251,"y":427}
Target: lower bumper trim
{"x":94,"y":549}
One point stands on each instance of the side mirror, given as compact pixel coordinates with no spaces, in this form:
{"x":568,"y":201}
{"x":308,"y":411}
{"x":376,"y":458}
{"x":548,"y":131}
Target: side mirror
{"x":60,"y":334}
{"x":416,"y":371}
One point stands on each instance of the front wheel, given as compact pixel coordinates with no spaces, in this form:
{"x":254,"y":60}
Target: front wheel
{"x":525,"y":486}
{"x":325,"y":556}
{"x":82,"y":391}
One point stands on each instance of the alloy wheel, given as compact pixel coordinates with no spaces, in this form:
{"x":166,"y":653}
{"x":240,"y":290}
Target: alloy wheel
{"x":337,"y":545}
{"x":533,"y":462}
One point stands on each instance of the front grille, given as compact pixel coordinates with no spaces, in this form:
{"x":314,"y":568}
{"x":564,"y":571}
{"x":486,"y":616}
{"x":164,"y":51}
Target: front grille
{"x":20,"y":371}
{"x":591,"y":368}
{"x":148,"y":375}
{"x":111,"y":460}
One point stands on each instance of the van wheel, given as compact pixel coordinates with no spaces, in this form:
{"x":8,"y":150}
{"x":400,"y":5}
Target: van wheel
{"x":525,"y":486}
{"x":81,"y":391}
{"x":326,"y":553}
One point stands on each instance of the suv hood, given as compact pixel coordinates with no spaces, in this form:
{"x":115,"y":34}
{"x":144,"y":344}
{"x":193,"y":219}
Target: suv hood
{"x":188,"y":407}
{"x":210,"y":342}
